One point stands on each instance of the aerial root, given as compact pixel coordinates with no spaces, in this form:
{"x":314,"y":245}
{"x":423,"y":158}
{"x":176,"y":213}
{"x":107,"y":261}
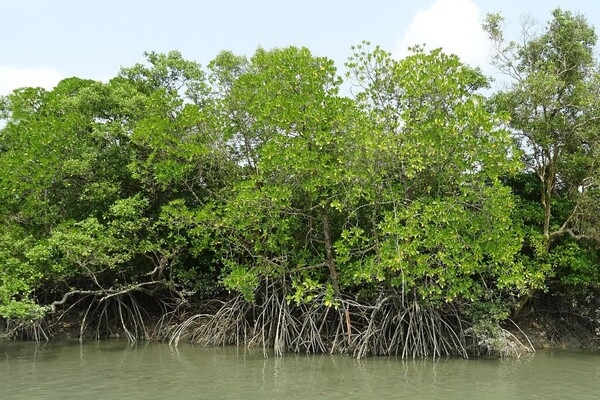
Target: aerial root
{"x":115,"y":314}
{"x":390,"y":326}
{"x":27,"y":330}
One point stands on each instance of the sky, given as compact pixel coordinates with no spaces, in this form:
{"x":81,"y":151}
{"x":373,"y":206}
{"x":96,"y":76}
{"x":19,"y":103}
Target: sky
{"x":44,"y":41}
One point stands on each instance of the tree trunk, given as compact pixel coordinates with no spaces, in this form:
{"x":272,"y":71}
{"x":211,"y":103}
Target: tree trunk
{"x":333,"y":274}
{"x":548,"y":177}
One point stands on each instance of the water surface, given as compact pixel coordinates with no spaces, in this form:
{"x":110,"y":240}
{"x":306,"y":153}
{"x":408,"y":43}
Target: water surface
{"x":118,"y":370}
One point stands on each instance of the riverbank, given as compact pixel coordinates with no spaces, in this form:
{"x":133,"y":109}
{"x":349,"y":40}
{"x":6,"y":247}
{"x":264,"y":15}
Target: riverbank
{"x":561,"y":326}
{"x":549,"y":322}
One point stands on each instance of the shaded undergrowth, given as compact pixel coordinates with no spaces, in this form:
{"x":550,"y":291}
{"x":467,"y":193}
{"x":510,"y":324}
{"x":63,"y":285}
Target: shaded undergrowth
{"x":391,"y":325}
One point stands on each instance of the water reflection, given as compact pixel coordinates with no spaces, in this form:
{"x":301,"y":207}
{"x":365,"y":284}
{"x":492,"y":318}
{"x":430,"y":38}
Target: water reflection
{"x":116,"y":369}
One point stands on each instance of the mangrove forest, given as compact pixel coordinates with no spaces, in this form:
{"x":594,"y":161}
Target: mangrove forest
{"x":390,"y":207}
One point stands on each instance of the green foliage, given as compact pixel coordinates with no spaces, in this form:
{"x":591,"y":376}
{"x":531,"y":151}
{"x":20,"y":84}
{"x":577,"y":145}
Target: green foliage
{"x":257,"y":173}
{"x":553,"y":106}
{"x":437,"y":228}
{"x":18,"y":276}
{"x":486,"y":331}
{"x":576,"y":265}
{"x":84,"y":175}
{"x":242,"y":279}
{"x":24,"y":310}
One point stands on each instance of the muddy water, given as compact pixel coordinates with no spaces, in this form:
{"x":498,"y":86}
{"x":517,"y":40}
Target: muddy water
{"x":118,"y":370}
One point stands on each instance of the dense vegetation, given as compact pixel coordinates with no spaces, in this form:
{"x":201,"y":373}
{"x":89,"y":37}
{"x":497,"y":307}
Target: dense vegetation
{"x":251,"y":202}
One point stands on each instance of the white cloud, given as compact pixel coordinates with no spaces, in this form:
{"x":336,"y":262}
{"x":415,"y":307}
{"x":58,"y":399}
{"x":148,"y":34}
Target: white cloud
{"x":12,"y":78}
{"x":454,"y":25}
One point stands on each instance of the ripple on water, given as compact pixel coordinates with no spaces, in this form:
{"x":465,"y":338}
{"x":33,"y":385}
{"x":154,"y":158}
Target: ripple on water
{"x":113,"y":369}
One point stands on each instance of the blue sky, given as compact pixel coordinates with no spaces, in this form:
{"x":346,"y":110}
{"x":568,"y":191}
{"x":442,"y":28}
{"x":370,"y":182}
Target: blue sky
{"x":47,"y":40}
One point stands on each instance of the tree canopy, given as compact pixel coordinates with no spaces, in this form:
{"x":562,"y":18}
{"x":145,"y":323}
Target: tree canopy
{"x":552,"y":102}
{"x":406,"y":218}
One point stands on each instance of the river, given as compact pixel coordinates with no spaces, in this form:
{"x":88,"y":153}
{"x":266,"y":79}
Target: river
{"x":119,"y":370}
